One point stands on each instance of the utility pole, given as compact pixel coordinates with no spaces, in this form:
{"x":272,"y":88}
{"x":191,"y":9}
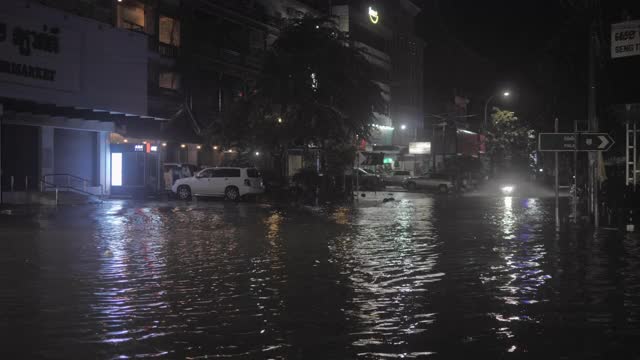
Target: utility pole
{"x":1,"y":115}
{"x":557,"y":188}
{"x":575,"y":178}
{"x":593,"y":125}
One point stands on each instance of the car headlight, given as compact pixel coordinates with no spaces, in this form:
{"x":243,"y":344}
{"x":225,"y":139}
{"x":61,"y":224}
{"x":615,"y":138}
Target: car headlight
{"x":507,"y":190}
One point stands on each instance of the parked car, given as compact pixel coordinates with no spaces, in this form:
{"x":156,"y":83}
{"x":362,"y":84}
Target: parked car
{"x":366,"y":180}
{"x":174,"y":171}
{"x":396,"y":177}
{"x":230,"y":182}
{"x":441,"y":182}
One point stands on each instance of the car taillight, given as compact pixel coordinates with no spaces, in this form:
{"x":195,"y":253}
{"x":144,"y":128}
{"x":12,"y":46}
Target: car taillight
{"x":247,"y":182}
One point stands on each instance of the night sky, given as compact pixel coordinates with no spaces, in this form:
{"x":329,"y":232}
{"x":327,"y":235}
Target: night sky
{"x":537,"y":49}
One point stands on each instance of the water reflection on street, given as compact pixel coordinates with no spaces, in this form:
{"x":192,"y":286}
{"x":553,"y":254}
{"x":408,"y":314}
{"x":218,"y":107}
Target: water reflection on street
{"x":419,"y":276}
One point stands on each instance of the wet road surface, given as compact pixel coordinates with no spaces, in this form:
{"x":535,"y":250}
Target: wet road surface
{"x":420,"y":276}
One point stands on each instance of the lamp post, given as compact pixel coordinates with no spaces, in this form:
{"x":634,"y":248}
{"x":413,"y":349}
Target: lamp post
{"x":486,"y":105}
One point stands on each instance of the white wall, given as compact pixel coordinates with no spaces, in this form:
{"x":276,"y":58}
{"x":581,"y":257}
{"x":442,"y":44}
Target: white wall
{"x":97,"y":66}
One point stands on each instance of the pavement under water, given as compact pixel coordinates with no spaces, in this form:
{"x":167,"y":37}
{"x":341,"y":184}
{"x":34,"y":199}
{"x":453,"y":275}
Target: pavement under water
{"x":416,"y":276}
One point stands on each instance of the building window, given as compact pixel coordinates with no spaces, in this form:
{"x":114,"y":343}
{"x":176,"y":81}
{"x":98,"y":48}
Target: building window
{"x":169,"y":31}
{"x":169,"y":80}
{"x":256,"y":39}
{"x":131,"y":16}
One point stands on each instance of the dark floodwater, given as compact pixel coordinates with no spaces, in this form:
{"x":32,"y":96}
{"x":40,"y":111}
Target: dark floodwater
{"x":421,"y":276}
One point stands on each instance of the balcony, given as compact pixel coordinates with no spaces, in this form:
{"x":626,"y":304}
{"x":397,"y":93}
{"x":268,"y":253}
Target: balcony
{"x":132,"y":26}
{"x":163,"y":49}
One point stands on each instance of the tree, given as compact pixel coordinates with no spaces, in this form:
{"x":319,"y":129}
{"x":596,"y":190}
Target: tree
{"x":509,"y":141}
{"x":314,"y":89}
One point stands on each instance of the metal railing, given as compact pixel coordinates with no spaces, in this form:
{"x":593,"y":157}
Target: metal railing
{"x":44,"y":184}
{"x":60,"y":182}
{"x":69,"y":182}
{"x":19,"y":183}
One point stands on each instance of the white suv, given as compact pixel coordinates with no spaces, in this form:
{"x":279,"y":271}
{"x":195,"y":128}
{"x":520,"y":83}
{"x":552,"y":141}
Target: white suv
{"x":230,"y":182}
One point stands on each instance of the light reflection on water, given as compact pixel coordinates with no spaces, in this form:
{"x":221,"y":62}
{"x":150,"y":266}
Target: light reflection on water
{"x":389,"y":259}
{"x":411,"y":278}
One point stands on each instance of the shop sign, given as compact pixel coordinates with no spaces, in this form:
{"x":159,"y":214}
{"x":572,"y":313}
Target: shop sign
{"x":625,"y":39}
{"x":373,"y":15}
{"x":419,"y":148}
{"x":38,"y":54}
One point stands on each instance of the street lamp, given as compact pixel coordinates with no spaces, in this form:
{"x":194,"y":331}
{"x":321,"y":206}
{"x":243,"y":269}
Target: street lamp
{"x":403,"y":127}
{"x":486,"y":105}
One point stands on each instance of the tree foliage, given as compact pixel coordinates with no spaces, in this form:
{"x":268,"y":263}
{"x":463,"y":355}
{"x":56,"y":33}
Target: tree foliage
{"x":509,"y":140}
{"x":313,"y":89}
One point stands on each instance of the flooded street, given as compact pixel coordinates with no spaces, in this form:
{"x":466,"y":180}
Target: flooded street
{"x":420,"y":276}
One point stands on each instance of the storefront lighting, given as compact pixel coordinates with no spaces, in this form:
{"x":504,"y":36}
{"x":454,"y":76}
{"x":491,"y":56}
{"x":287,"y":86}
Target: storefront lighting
{"x":183,"y":146}
{"x":403,"y":127}
{"x":164,"y":144}
{"x":116,"y":169}
{"x":383,"y":127}
{"x":466,"y":131}
{"x":215,"y":147}
{"x":144,"y":142}
{"x":126,"y":141}
{"x":154,"y":148}
{"x":279,"y":120}
{"x":198,"y":147}
{"x":257,"y":153}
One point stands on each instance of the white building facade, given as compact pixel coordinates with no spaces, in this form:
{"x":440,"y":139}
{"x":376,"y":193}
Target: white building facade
{"x":65,"y":81}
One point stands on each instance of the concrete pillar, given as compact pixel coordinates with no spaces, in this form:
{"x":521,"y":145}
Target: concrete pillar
{"x":47,"y":165}
{"x":104,"y":161}
{"x":192,"y":157}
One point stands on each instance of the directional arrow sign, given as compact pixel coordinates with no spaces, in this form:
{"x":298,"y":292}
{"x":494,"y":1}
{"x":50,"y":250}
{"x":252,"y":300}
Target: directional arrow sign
{"x":557,"y":141}
{"x":575,"y":142}
{"x":595,"y":142}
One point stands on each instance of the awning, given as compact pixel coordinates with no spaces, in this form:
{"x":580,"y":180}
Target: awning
{"x":27,"y":112}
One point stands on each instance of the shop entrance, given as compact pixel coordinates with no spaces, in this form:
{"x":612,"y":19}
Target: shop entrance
{"x":20,"y":160}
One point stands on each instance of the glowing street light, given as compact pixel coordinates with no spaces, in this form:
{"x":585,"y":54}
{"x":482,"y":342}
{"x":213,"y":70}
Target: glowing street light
{"x":403,"y":127}
{"x":257,"y":153}
{"x":279,"y":120}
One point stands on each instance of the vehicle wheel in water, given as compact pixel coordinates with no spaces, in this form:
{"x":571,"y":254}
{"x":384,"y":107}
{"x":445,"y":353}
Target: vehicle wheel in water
{"x":232,"y":193}
{"x":184,"y":193}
